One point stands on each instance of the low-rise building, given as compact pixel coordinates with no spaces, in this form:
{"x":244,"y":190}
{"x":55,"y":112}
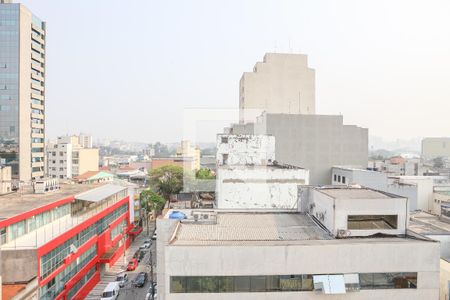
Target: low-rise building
{"x":436,"y":228}
{"x":57,"y":245}
{"x":93,"y":177}
{"x":418,"y":189}
{"x":288,"y":255}
{"x":187,"y":163}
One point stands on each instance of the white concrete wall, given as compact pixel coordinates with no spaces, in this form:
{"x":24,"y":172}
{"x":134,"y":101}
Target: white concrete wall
{"x":310,"y":257}
{"x":245,"y":149}
{"x":250,"y":187}
{"x":379,"y":181}
{"x":333,"y":213}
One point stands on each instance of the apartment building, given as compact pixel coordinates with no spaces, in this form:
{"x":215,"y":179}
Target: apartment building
{"x":281,"y":84}
{"x":5,"y":179}
{"x":57,"y":245}
{"x":360,"y":250}
{"x":22,"y":91}
{"x":187,"y":150}
{"x":68,"y":159}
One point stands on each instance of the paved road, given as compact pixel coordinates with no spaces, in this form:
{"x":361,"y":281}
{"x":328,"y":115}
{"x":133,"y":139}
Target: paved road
{"x":129,"y":292}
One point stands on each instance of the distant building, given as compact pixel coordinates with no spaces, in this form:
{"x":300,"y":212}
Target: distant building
{"x":68,"y":159}
{"x":187,"y":163}
{"x":361,"y":250}
{"x":435,"y":147}
{"x":22,"y":92}
{"x":59,"y":244}
{"x":186,"y":150}
{"x":93,"y":177}
{"x":85,"y":140}
{"x":281,"y":84}
{"x":248,"y":176}
{"x":5,"y":179}
{"x":398,"y":166}
{"x":314,"y":142}
{"x":418,"y":189}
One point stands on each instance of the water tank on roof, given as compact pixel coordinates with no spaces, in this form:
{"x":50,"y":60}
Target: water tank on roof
{"x":177,"y":215}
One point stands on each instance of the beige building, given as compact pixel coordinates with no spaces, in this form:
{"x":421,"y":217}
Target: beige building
{"x":280,"y":84}
{"x":435,"y":147}
{"x":187,"y":150}
{"x":68,"y":159}
{"x":5,"y":179}
{"x":22,"y":92}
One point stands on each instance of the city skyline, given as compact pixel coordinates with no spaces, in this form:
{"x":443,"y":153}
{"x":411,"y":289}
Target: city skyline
{"x":366,"y":70}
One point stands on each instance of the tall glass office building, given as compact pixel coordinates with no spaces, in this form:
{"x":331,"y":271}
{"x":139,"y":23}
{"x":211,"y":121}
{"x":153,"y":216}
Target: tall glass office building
{"x":22,"y":91}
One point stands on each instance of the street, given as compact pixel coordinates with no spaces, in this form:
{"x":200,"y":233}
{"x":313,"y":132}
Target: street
{"x":128,"y":291}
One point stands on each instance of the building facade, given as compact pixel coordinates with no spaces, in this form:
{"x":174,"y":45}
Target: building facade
{"x":280,"y":84}
{"x":60,"y":248}
{"x":68,"y":159}
{"x":435,"y":147}
{"x":286,"y":256}
{"x":248,"y":176}
{"x":22,"y":91}
{"x":187,"y":150}
{"x":314,"y":142}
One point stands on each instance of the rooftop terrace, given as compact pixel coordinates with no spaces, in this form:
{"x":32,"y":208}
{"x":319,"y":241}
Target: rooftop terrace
{"x":253,"y":227}
{"x":355,"y":193}
{"x":16,"y":203}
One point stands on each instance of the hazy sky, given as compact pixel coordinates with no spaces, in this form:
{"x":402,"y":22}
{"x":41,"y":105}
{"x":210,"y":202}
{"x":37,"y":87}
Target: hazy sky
{"x":127,"y":69}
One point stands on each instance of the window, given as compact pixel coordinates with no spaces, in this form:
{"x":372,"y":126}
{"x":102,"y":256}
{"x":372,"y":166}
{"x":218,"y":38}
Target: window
{"x":224,"y":140}
{"x":274,"y":283}
{"x":343,"y":179}
{"x":335,"y":177}
{"x":339,"y":178}
{"x":371,"y":222}
{"x":225,"y":159}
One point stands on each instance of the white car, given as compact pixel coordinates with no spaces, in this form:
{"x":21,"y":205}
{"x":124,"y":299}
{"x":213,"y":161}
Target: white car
{"x":154,"y":235}
{"x":111,"y":291}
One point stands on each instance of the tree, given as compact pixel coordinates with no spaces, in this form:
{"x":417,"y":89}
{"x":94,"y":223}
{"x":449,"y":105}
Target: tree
{"x":151,"y":201}
{"x":204,"y":174}
{"x":167,"y":180}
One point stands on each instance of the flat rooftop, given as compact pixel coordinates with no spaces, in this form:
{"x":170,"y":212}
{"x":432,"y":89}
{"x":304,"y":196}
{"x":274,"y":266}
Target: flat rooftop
{"x":355,"y":193}
{"x":428,"y":224}
{"x":236,"y":226}
{"x":16,"y":203}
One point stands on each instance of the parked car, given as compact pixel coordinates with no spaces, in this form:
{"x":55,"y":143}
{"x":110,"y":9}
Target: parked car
{"x":122,"y":279}
{"x":147,"y":244}
{"x":141,"y":255}
{"x":151,"y":293}
{"x":140,"y":280}
{"x":132,"y":264}
{"x":111,"y":291}
{"x":154,"y":235}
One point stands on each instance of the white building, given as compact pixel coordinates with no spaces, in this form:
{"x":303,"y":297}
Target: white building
{"x":282,"y":83}
{"x":349,"y":211}
{"x":248,"y":176}
{"x":286,"y":256}
{"x":418,"y":189}
{"x":68,"y":159}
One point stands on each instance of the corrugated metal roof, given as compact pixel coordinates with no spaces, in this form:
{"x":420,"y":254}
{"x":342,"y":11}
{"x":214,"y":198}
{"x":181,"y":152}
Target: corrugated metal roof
{"x":100,"y":193}
{"x":254,"y":227}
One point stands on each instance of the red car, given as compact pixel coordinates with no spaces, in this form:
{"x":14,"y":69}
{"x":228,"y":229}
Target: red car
{"x":132,"y":264}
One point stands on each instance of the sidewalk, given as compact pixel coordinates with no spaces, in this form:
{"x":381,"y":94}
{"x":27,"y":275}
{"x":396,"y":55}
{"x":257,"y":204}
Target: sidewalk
{"x":110,"y":274}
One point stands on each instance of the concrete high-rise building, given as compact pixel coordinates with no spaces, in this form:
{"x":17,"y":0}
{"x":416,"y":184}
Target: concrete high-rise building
{"x":313,"y":142}
{"x":22,"y":91}
{"x":435,"y":147}
{"x":280,"y":84}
